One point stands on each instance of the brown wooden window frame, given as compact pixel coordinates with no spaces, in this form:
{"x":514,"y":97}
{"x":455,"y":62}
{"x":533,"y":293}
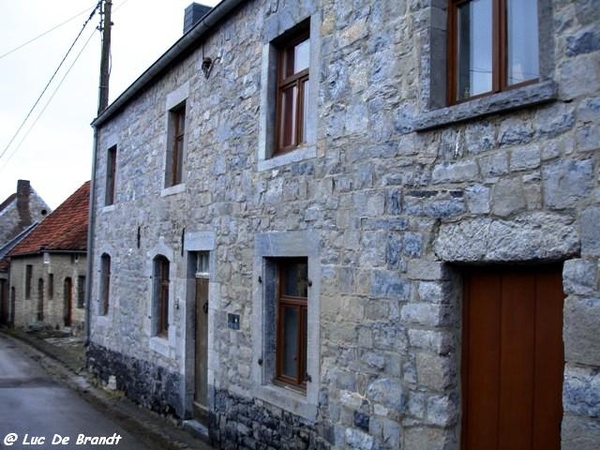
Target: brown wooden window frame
{"x":300,"y":304}
{"x":174,"y":174}
{"x":499,"y":53}
{"x":298,"y":80}
{"x":161,"y":295}
{"x":111,"y":175}
{"x":105,"y":269}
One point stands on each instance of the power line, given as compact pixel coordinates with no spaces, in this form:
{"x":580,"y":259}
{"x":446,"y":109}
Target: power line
{"x":50,"y":81}
{"x":44,"y":33}
{"x":47,"y":103}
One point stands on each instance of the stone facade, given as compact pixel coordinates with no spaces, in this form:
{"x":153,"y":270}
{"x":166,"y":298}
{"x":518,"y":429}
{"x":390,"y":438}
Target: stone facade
{"x":48,"y":268}
{"x":391,"y":197}
{"x":50,"y":275}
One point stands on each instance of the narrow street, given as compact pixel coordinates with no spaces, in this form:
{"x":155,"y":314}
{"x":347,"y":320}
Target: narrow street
{"x":37,"y":411}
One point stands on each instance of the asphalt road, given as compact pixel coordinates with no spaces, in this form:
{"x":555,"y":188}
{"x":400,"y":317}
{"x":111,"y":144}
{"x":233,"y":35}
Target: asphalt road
{"x":37,"y":412}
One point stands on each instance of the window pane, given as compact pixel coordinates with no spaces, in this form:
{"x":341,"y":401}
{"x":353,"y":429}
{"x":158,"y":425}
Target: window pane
{"x":523,"y":60}
{"x":301,"y":56}
{"x":289,"y":99}
{"x":177,"y":161}
{"x":474,"y":25}
{"x":290,"y":342}
{"x":295,"y":279}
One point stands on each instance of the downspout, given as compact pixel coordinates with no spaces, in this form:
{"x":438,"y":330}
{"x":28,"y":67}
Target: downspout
{"x":90,"y":243}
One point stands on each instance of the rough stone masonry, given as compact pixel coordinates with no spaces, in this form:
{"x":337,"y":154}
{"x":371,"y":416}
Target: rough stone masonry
{"x":392,"y":199}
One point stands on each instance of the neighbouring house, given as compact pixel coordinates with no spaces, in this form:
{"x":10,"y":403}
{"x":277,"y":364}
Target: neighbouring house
{"x":363,"y":225}
{"x":48,"y":268}
{"x":19,"y":214}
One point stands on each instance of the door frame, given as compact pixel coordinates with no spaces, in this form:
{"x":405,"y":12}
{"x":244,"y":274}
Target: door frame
{"x":194,"y":243}
{"x":201,"y":309}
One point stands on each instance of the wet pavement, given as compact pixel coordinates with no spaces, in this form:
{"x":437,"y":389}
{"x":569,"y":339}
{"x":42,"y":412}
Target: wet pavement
{"x":47,"y":401}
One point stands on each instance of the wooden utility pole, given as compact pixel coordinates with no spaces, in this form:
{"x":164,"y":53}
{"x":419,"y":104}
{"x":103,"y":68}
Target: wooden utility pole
{"x":105,"y":56}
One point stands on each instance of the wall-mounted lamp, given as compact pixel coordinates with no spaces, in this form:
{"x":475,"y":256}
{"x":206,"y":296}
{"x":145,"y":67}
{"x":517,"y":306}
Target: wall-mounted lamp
{"x":207,"y":65}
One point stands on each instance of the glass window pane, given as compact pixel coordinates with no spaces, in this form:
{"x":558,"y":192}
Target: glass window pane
{"x":474,"y":34}
{"x":295,"y":279}
{"x":301,"y":56}
{"x":523,"y":59}
{"x":288,"y":126}
{"x":290,"y":342}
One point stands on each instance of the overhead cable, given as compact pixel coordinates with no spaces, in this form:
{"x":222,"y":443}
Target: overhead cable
{"x":50,"y":81}
{"x":47,"y":103}
{"x":43,"y":34}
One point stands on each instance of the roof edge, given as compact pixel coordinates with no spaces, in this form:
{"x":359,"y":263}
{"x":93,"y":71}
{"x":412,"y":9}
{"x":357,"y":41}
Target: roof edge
{"x":185,"y":42}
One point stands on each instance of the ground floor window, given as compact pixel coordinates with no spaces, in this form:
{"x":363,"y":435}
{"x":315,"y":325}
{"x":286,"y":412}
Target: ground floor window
{"x":292,"y":306}
{"x":161,"y":296}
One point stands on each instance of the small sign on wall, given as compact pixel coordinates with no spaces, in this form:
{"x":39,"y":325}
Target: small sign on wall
{"x":233,"y":321}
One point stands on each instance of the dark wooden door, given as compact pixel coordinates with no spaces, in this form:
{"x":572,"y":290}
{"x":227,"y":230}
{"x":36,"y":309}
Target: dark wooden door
{"x":513,"y":359}
{"x":68,"y":301}
{"x":40,"y":305}
{"x":201,"y":382}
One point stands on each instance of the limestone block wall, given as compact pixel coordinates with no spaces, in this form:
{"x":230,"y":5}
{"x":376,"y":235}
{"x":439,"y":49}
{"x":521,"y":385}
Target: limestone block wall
{"x":57,"y":267}
{"x":397,"y":197}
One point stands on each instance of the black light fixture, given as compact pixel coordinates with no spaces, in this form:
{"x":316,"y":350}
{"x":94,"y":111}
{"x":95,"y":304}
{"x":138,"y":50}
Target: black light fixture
{"x":207,"y":65}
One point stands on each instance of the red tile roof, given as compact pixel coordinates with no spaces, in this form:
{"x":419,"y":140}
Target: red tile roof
{"x":64,"y":229}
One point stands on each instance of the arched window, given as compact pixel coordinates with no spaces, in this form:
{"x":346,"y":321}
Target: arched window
{"x":104,"y":284}
{"x":161,"y":296}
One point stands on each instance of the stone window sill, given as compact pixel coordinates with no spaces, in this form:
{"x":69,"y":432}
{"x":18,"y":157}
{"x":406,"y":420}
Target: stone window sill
{"x":108,"y":208}
{"x":160,"y":345}
{"x":300,"y":154}
{"x":172,"y":190}
{"x":522,"y":97}
{"x":287,"y":400}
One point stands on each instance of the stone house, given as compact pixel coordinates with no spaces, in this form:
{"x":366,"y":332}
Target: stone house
{"x":366,"y":225}
{"x":48,"y":268}
{"x":19,"y":214}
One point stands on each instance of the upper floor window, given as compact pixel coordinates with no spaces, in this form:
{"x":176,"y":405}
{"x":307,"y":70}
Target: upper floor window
{"x":493,"y":46}
{"x":174,"y":167}
{"x":111,"y":174}
{"x":292,"y":92}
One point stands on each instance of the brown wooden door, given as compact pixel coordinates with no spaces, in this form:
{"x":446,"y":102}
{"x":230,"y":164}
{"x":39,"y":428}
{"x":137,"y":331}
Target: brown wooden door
{"x":201,"y":382}
{"x":68,"y":301}
{"x":512,"y":361}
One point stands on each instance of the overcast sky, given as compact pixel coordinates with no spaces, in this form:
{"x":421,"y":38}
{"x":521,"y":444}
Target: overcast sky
{"x":55,"y":154}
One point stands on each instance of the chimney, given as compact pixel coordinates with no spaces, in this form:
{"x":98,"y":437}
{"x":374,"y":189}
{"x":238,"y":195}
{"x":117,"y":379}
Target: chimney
{"x":193,"y":14}
{"x":23,"y":207}
{"x":23,"y":188}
